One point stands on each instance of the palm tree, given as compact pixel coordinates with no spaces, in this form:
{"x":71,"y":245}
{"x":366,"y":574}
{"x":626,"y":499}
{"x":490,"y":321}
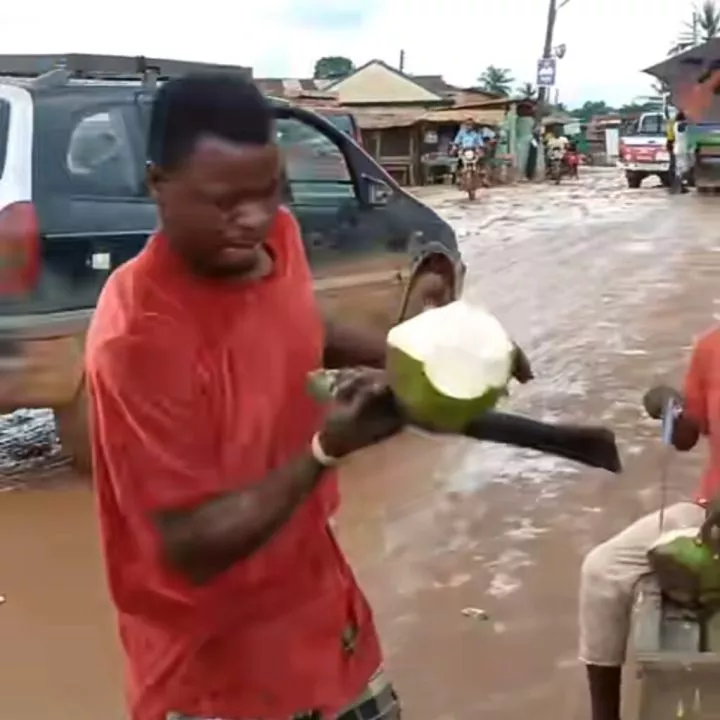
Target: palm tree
{"x":527,"y":91}
{"x":704,"y":25}
{"x":496,"y":80}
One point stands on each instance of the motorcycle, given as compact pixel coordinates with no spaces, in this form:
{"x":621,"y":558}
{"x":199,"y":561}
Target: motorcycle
{"x":470,"y":171}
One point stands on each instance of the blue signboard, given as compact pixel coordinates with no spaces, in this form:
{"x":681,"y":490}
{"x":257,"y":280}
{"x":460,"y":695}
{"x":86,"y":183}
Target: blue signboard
{"x":546,"y":72}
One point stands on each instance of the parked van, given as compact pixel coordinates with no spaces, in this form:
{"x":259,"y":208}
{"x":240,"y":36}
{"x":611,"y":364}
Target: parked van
{"x":74,"y":206}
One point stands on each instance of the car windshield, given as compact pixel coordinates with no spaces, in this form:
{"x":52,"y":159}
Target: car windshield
{"x":648,"y":124}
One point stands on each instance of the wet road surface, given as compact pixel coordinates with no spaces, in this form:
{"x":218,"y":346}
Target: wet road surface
{"x":605,"y":288}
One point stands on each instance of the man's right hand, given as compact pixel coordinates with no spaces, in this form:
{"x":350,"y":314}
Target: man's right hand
{"x":364,"y":413}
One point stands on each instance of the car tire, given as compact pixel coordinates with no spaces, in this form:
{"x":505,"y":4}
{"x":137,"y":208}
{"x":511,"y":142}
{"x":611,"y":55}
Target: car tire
{"x":634,"y":179}
{"x":73,"y":431}
{"x":428,"y":289}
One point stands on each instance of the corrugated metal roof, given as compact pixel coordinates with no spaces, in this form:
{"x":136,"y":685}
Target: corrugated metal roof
{"x":290,"y":86}
{"x":694,"y":59}
{"x":491,"y":116}
{"x":378,"y":120}
{"x":434,"y":84}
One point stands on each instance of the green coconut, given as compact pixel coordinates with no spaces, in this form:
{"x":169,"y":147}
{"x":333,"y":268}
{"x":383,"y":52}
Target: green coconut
{"x":687,"y":569}
{"x":449,"y":364}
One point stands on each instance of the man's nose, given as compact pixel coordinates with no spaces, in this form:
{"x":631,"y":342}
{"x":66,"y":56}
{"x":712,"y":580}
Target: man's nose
{"x":249,"y":216}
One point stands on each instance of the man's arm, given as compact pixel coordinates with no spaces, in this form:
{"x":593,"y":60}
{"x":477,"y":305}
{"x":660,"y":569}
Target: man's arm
{"x":348,"y":346}
{"x":157,"y":443}
{"x":692,"y":421}
{"x":204,"y":540}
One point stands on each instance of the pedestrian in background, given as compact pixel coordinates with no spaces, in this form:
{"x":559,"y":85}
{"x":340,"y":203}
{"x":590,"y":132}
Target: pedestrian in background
{"x":670,"y":147}
{"x":683,"y":159}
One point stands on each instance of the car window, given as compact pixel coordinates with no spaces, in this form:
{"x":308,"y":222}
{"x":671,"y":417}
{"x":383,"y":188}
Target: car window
{"x":316,"y":169}
{"x":343,"y":122}
{"x":100,"y":159}
{"x":651,"y":125}
{"x":4,"y":127}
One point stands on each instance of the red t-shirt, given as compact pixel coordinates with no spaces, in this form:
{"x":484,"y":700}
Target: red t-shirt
{"x":199,"y":388}
{"x":702,"y":403}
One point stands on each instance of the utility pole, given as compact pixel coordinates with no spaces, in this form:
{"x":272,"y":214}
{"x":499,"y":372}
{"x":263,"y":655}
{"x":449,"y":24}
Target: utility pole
{"x":547,"y":51}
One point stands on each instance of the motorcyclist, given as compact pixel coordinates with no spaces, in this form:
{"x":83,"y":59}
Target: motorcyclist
{"x":469,"y":137}
{"x":556,"y":146}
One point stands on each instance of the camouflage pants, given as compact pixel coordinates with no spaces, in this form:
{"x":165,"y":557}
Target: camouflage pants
{"x":377,"y":702}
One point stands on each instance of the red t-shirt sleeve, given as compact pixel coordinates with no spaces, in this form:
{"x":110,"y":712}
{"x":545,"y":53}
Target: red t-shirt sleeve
{"x":695,"y":389}
{"x":289,"y":234}
{"x":152,"y":430}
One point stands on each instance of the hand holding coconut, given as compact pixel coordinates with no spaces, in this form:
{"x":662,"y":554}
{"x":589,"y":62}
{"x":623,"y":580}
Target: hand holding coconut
{"x":447,"y":368}
{"x":364,"y":412}
{"x":450,"y":364}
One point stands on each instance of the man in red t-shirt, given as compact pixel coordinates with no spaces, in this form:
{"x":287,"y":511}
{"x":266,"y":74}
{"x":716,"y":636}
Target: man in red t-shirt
{"x":611,"y":571}
{"x":213,"y":466}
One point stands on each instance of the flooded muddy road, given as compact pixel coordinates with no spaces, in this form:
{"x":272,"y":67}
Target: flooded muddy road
{"x":605,"y":289}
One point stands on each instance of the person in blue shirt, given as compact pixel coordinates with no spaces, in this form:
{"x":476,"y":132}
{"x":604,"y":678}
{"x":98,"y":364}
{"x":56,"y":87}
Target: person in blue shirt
{"x":468,"y":136}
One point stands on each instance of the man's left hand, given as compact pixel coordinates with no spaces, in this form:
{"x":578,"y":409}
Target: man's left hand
{"x":521,"y":369}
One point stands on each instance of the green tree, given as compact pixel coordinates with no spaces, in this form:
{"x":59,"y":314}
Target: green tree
{"x":527,"y":91}
{"x":496,"y":80}
{"x":702,"y":26}
{"x":333,"y":67}
{"x":593,"y":107}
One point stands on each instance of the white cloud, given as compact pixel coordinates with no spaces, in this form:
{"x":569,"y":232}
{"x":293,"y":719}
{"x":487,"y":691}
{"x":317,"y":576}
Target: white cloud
{"x":608,"y":42}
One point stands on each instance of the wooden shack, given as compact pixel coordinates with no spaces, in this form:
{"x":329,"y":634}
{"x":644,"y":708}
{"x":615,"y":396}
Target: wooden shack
{"x":393,"y":138}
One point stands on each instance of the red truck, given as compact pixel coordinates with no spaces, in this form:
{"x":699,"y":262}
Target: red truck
{"x":643,"y":149}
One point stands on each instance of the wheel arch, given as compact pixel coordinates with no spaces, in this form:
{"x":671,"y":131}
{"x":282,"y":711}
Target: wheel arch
{"x":434,"y":257}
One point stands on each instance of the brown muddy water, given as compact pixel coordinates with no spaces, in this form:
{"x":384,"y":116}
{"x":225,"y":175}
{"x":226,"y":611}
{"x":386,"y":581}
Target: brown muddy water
{"x":605,"y":288}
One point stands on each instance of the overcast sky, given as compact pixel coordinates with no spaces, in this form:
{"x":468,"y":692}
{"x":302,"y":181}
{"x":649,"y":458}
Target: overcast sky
{"x":608,"y":41}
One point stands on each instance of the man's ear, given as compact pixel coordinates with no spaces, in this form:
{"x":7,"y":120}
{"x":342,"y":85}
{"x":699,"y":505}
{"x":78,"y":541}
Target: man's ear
{"x":154,"y":178}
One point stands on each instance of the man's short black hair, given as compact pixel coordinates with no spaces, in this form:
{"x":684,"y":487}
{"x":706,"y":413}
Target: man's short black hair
{"x":223,"y":105}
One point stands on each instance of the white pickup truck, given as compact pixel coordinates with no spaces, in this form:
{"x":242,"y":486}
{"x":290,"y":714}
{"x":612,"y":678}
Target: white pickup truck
{"x":643,"y":150}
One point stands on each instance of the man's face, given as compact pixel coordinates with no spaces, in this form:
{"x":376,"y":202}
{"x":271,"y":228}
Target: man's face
{"x":218,"y":205}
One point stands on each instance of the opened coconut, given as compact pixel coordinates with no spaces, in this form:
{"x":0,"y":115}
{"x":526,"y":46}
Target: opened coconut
{"x":449,"y":364}
{"x":687,"y":570}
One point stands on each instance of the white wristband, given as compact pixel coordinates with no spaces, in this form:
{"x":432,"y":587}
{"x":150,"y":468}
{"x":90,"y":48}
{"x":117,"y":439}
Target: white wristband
{"x":318,"y":452}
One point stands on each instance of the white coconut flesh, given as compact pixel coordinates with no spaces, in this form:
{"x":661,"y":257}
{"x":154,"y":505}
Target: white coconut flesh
{"x":464,"y":350}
